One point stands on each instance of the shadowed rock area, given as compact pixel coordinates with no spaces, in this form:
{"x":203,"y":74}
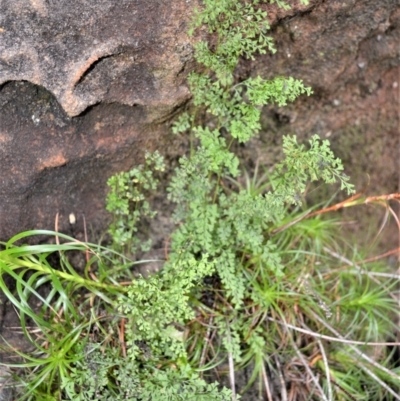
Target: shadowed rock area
{"x":86,"y":86}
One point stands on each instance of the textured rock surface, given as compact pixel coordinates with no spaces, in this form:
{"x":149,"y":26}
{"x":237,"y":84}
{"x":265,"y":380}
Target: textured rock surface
{"x":348,"y":51}
{"x":86,"y":52}
{"x":84,"y":88}
{"x":86,"y":85}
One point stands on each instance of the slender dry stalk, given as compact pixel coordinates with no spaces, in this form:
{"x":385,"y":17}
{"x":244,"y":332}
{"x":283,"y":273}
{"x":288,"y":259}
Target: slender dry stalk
{"x":56,"y":229}
{"x":352,"y":201}
{"x":329,"y":338}
{"x":366,"y":357}
{"x":266,"y":382}
{"x":305,"y":364}
{"x":121,"y":330}
{"x":205,"y":324}
{"x":360,"y":269}
{"x":376,"y":274}
{"x":395,"y":217}
{"x":232,"y":375}
{"x":206,"y":342}
{"x":327,"y":371}
{"x":355,"y":200}
{"x":284,"y":396}
{"x":381,"y":256}
{"x":377,"y":379}
{"x":231,"y":365}
{"x":383,"y":224}
{"x":193,"y":346}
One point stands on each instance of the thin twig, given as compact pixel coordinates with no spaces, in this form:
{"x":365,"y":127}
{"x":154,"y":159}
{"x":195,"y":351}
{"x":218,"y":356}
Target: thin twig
{"x":231,"y":365}
{"x":309,"y":371}
{"x":376,"y":378}
{"x":232,"y":375}
{"x":383,"y":255}
{"x":290,"y":224}
{"x":329,"y":338}
{"x":395,"y":217}
{"x":327,"y":371}
{"x":382,"y":198}
{"x":383,"y":224}
{"x":361,"y":270}
{"x":352,"y":201}
{"x":206,"y":340}
{"x":56,"y":229}
{"x":375,"y":274}
{"x":357,"y":351}
{"x":206,"y":324}
{"x":122,"y":337}
{"x":266,"y":382}
{"x":281,"y":379}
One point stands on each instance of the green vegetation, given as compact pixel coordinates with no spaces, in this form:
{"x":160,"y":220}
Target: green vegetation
{"x":243,"y":287}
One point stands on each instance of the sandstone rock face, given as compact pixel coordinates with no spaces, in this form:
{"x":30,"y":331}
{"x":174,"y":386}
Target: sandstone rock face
{"x":348,"y":51}
{"x":84,"y":88}
{"x":87,"y":85}
{"x":86,"y":52}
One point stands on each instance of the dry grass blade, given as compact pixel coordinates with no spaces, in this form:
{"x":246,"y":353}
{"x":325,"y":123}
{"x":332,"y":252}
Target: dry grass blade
{"x":352,"y":201}
{"x":266,"y":382}
{"x":395,"y":217}
{"x":290,"y":224}
{"x":381,"y":256}
{"x":206,"y":342}
{"x":327,"y":371}
{"x":232,"y":375}
{"x":360,"y":269}
{"x":376,"y":274}
{"x":284,"y":396}
{"x":378,"y":380}
{"x":231,"y":365}
{"x":56,"y":229}
{"x":383,"y":224}
{"x":355,"y":200}
{"x":329,"y":338}
{"x":307,"y":367}
{"x":365,"y":357}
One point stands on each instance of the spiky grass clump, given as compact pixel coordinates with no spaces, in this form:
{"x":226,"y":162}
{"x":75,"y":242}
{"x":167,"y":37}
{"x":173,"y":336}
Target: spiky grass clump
{"x":56,"y":307}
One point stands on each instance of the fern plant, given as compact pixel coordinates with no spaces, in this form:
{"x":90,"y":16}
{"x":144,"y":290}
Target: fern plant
{"x":228,"y":229}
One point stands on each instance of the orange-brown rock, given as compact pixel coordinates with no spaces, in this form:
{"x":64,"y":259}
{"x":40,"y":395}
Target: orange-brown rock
{"x":84,"y":88}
